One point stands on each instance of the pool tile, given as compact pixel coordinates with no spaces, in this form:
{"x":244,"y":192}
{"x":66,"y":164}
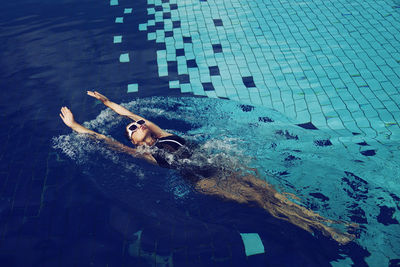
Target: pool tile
{"x":119,"y":20}
{"x":167,"y":15}
{"x":113,"y":2}
{"x":211,"y":94}
{"x":208,"y":86}
{"x":180,"y":52}
{"x":182,"y":65}
{"x":214,"y":70}
{"x":187,"y":39}
{"x":252,"y":244}
{"x":186,"y":88}
{"x":133,"y":88}
{"x":124,"y":58}
{"x":163,"y":70}
{"x":197,"y":88}
{"x":143,"y":27}
{"x":128,"y":11}
{"x":117,"y":39}
{"x":218,"y":22}
{"x":173,"y":84}
{"x":191,"y":63}
{"x":151,"y":36}
{"x":248,"y":81}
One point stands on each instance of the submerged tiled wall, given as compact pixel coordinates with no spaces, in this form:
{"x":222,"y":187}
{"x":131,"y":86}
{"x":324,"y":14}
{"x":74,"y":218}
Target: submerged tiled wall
{"x":334,"y":64}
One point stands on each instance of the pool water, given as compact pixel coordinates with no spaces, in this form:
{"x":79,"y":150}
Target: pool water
{"x":306,"y":92}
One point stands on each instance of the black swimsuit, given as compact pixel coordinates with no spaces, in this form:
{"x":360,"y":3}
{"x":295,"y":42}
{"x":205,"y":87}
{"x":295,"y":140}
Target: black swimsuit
{"x":172,"y":150}
{"x":168,"y":146}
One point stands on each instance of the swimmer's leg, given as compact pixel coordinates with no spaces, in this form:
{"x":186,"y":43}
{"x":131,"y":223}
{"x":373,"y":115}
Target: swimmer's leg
{"x":249,"y":189}
{"x":281,"y":207}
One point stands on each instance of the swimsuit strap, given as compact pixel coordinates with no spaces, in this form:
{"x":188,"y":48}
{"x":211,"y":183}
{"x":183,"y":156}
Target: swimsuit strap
{"x":167,"y":144}
{"x":169,"y":140}
{"x":173,"y":141}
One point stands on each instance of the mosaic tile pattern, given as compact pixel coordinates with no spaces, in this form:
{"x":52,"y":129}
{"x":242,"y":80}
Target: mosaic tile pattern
{"x":330,"y":66}
{"x":336,"y":65}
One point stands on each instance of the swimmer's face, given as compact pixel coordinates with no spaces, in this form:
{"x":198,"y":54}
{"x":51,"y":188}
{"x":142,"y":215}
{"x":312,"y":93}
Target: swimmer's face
{"x":140,"y":132}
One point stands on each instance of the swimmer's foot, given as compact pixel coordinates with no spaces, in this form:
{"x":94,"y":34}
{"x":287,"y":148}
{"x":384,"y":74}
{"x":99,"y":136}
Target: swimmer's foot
{"x":343,"y":238}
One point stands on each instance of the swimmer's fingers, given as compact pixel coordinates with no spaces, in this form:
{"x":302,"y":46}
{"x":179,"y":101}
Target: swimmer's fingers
{"x":67,"y":116}
{"x":92,"y":94}
{"x":97,"y":95}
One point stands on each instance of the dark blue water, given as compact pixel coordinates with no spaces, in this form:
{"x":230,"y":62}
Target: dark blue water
{"x":56,"y":211}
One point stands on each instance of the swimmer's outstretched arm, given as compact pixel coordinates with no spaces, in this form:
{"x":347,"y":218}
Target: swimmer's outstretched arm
{"x":124,"y":112}
{"x":68,"y":118}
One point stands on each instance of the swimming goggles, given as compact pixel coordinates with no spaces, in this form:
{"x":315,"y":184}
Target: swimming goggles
{"x":133,"y":126}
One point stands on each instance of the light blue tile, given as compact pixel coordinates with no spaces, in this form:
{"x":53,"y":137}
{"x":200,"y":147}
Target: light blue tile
{"x":325,"y":82}
{"x":151,"y":36}
{"x":168,"y":26}
{"x":173,"y":84}
{"x":194,"y":74}
{"x":197,"y":88}
{"x":160,"y":36}
{"x":175,"y":14}
{"x":171,"y":57}
{"x":220,"y":90}
{"x":143,"y":27}
{"x":211,"y":94}
{"x":211,"y":61}
{"x":225,"y":74}
{"x":113,"y":2}
{"x":379,"y":76}
{"x":117,"y":39}
{"x":162,"y":70}
{"x":123,"y":58}
{"x":133,"y":88}
{"x":161,"y":58}
{"x":127,"y":10}
{"x":186,"y":88}
{"x":170,"y":42}
{"x":388,"y":71}
{"x":244,"y":71}
{"x":182,"y":66}
{"x":389,"y":88}
{"x":237,"y":80}
{"x":255,"y":98}
{"x":159,"y":16}
{"x":229,"y":86}
{"x":151,"y":22}
{"x":205,"y":76}
{"x":119,"y":20}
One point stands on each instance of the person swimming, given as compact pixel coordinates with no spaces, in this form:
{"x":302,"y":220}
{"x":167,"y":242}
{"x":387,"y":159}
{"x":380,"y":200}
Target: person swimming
{"x":167,"y":150}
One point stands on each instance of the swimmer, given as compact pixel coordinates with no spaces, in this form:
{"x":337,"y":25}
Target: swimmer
{"x":236,"y":186}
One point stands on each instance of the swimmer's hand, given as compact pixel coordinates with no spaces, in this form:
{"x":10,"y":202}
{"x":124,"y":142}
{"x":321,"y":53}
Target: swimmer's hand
{"x":98,"y":96}
{"x":67,"y":117}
